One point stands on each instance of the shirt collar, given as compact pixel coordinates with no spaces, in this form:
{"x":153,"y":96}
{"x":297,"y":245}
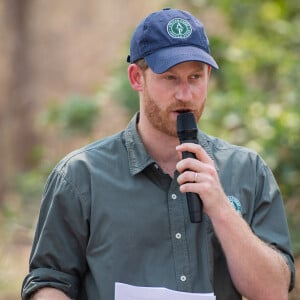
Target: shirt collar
{"x":138,"y":156}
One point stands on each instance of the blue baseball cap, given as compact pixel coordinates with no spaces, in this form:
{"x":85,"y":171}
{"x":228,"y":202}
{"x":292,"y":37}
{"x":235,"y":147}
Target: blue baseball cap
{"x":168,"y":37}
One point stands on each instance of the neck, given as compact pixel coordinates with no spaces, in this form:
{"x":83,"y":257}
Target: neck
{"x":161,"y":147}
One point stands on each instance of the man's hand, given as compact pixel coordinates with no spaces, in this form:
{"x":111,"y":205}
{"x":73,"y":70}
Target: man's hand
{"x":200,"y":176}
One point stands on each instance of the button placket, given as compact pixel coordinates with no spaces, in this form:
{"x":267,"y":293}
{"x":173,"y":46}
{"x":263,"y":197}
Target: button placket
{"x":179,"y":243}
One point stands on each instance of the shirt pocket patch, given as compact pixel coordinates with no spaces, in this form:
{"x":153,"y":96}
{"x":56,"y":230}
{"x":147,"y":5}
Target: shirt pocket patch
{"x":236,"y":204}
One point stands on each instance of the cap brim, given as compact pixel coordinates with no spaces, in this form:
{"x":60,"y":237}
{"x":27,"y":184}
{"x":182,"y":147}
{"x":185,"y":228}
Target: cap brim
{"x":166,"y":58}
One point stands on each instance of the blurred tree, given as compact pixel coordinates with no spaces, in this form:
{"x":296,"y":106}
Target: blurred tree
{"x":20,"y":104}
{"x":18,"y":136}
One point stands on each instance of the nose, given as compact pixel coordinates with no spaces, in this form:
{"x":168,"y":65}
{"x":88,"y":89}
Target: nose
{"x":184,"y":91}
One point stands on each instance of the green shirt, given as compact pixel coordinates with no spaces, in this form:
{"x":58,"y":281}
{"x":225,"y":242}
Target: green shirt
{"x":109,"y":214}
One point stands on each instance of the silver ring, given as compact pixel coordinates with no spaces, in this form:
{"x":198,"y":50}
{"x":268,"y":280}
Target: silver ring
{"x":195,"y":178}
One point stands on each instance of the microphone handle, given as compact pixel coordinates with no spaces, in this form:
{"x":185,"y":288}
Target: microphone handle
{"x":194,"y":202}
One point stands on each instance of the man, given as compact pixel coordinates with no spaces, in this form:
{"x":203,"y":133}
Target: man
{"x":116,"y":211}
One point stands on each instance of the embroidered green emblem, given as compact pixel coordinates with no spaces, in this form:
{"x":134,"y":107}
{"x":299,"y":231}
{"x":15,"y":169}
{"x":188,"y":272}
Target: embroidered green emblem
{"x":179,"y":28}
{"x":235,"y":203}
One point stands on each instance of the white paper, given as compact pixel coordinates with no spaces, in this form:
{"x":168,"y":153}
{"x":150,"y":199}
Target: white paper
{"x":129,"y":292}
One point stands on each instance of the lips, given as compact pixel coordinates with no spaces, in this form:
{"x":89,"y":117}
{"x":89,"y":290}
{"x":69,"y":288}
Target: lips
{"x":181,"y":108}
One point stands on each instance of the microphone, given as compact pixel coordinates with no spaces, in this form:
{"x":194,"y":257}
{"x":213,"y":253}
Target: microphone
{"x":187,"y":133}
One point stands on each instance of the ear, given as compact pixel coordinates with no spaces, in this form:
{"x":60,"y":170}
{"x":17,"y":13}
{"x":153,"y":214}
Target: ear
{"x":208,"y":70}
{"x":135,"y":76}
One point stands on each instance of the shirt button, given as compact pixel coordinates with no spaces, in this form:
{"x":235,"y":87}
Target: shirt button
{"x":174,"y":196}
{"x":183,"y":278}
{"x":178,"y":235}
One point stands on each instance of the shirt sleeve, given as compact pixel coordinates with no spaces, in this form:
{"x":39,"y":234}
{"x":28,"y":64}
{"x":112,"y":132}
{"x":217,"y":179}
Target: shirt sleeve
{"x":44,"y":277}
{"x":58,"y":257}
{"x":269,"y":219}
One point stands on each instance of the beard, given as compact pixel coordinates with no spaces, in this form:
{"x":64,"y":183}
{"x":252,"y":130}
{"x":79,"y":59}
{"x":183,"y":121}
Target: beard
{"x":161,"y":119}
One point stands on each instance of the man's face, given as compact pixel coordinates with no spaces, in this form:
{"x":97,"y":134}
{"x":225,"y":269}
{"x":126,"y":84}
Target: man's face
{"x":180,"y":89}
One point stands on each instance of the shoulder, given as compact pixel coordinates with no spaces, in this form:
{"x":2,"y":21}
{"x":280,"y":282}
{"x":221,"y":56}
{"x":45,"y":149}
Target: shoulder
{"x":82,"y":164}
{"x":94,"y":153}
{"x":224,"y":152}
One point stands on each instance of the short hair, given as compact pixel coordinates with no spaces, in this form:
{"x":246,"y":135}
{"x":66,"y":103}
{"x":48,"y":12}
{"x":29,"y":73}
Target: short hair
{"x":142,"y":64}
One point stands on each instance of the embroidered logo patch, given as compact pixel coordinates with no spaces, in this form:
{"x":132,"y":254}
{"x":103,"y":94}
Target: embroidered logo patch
{"x":236,"y":204}
{"x":179,"y":28}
